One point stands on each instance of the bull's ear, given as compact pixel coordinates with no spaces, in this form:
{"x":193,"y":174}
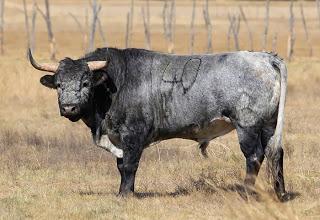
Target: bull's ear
{"x":99,"y":78}
{"x":48,"y":81}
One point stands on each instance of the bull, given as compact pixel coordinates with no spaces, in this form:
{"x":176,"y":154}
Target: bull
{"x":130,"y":98}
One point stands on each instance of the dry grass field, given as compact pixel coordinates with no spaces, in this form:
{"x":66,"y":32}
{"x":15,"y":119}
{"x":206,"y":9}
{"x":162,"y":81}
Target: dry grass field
{"x":49,"y":167}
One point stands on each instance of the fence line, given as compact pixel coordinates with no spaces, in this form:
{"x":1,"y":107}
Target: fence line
{"x":192,"y":26}
{"x":266,"y":25}
{"x":243,"y":16}
{"x":291,"y":39}
{"x":2,"y":5}
{"x":208,"y":24}
{"x":47,"y":17}
{"x":305,"y":27}
{"x":146,"y":26}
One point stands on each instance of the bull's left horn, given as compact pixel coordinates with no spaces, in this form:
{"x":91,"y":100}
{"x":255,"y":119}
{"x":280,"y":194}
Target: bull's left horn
{"x":96,"y":65}
{"x":48,"y":67}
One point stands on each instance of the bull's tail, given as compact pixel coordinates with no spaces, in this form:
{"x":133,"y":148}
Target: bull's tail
{"x":280,"y":121}
{"x":274,"y":151}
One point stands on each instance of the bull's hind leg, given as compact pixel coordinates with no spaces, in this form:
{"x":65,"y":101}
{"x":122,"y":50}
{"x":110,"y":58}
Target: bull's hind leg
{"x":250,"y":144}
{"x":275,"y":160}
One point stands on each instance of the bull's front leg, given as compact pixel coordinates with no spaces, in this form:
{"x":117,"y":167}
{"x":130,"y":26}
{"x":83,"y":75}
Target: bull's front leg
{"x":133,"y":140}
{"x":128,"y":166}
{"x":127,"y":160}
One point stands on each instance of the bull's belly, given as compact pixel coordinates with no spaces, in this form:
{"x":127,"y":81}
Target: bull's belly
{"x":215,"y":128}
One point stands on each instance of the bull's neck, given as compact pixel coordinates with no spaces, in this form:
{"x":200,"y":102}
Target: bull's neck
{"x":121,"y":63}
{"x":99,"y":104}
{"x":126,"y":62}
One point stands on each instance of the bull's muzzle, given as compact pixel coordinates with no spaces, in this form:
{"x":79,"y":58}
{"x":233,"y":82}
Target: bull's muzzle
{"x":70,"y":111}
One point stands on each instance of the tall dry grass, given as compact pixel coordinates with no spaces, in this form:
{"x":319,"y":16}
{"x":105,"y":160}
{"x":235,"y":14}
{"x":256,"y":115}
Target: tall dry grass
{"x":50,"y":168}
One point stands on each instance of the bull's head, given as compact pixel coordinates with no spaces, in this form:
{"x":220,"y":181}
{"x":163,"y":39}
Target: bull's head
{"x":74,"y":81}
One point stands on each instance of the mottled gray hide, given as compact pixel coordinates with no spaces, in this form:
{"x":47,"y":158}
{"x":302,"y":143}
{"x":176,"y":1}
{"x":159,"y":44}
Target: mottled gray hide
{"x":242,"y":87}
{"x":150,"y":96}
{"x":200,"y":97}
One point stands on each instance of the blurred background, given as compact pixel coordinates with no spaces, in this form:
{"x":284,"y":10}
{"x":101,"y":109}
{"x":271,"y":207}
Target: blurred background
{"x":180,"y":26}
{"x":49,"y":167}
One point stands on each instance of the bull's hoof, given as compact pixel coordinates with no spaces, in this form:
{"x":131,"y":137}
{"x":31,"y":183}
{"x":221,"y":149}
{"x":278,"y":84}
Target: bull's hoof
{"x":288,"y":196}
{"x":284,"y":197}
{"x":204,"y":154}
{"x":125,"y":194}
{"x":249,"y":191}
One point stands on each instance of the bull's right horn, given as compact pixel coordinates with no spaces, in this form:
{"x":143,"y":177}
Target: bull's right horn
{"x":96,"y":65}
{"x":48,"y":67}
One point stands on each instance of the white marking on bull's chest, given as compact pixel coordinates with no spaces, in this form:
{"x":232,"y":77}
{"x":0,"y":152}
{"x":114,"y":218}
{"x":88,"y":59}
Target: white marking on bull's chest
{"x":105,"y":143}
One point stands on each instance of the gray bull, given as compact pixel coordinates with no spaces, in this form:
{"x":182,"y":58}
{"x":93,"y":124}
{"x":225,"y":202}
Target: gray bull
{"x":131,"y":98}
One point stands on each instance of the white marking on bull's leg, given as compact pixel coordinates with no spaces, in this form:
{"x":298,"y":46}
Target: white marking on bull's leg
{"x":105,"y":143}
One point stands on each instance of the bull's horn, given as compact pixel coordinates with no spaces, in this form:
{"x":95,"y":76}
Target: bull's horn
{"x":48,"y":67}
{"x":96,"y":65}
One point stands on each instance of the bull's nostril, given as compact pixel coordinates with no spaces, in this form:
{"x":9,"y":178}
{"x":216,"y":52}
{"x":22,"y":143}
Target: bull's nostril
{"x":71,"y":109}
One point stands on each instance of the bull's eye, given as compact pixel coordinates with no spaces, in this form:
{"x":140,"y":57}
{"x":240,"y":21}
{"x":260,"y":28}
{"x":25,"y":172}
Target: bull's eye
{"x":85,"y":84}
{"x":58,"y":85}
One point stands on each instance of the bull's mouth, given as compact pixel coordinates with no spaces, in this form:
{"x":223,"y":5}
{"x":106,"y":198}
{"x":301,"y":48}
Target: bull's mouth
{"x":73,"y":118}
